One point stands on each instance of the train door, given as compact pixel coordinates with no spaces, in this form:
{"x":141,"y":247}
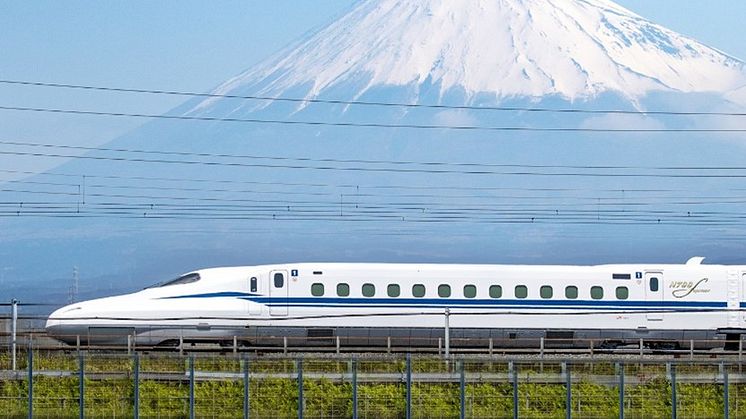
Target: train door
{"x":654,"y":294}
{"x":278,"y":292}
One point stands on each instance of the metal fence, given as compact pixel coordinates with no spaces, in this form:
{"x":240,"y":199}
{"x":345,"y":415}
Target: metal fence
{"x":88,"y":384}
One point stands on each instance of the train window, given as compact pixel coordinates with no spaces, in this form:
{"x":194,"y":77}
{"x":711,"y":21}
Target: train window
{"x":279,"y":279}
{"x":253,"y":284}
{"x":521,"y":291}
{"x":597,"y":293}
{"x":470,"y":291}
{"x":418,"y":290}
{"x":654,"y":284}
{"x":571,"y":292}
{"x":496,"y":291}
{"x":369,"y":290}
{"x":393,"y":290}
{"x":622,"y":293}
{"x":317,"y":289}
{"x":184,"y":279}
{"x":343,"y":290}
{"x":546,"y":291}
{"x":444,"y":290}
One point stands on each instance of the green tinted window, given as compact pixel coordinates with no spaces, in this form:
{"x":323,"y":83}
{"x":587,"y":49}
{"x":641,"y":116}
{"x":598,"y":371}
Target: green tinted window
{"x":317,"y":290}
{"x":444,"y":290}
{"x":470,"y":291}
{"x":654,"y":284}
{"x":597,"y":293}
{"x":393,"y":290}
{"x":521,"y":291}
{"x":496,"y":291}
{"x":418,"y":290}
{"x":369,"y":290}
{"x":571,"y":292}
{"x":546,"y":291}
{"x":622,"y":293}
{"x":343,"y":290}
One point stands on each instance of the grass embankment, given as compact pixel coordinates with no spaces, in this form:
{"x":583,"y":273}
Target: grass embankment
{"x":650,"y":397}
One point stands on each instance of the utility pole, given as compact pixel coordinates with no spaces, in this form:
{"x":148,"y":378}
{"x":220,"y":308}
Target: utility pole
{"x":74,"y":286}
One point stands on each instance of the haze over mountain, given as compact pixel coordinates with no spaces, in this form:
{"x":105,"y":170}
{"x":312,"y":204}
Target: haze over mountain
{"x":266,"y":192}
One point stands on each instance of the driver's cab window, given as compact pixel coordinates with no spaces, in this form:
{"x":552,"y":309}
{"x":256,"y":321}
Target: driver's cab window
{"x":279,"y":280}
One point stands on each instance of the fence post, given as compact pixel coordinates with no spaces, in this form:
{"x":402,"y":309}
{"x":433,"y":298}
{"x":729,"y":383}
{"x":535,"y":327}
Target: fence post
{"x":674,"y":408}
{"x":354,"y":388}
{"x":409,"y":386}
{"x":81,"y":384}
{"x":513,"y":371}
{"x":691,"y":349}
{"x":541,"y":354}
{"x":30,"y":379}
{"x":191,"y":387}
{"x":462,"y":389}
{"x":13,"y":329}
{"x":620,"y":367}
{"x":568,"y":390}
{"x":447,"y":337}
{"x":136,"y":394}
{"x":642,"y":348}
{"x":299,"y":364}
{"x":726,"y":397}
{"x":246,"y":383}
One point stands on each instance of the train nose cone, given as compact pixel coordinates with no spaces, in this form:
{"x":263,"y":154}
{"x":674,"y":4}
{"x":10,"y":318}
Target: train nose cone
{"x":61,"y":324}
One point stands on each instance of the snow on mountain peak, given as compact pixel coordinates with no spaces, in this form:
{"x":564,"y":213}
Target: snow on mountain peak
{"x":574,"y":49}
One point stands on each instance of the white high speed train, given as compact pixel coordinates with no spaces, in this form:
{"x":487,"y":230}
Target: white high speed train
{"x":366,"y":304}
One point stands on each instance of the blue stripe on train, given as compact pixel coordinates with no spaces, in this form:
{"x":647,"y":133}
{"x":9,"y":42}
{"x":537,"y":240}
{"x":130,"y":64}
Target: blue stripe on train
{"x":453,"y":302}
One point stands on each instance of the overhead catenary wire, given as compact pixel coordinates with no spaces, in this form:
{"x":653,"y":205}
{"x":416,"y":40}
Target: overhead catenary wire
{"x":292,"y":122}
{"x":368,"y":169}
{"x":360,"y":186}
{"x":330,"y":213}
{"x":360,"y":161}
{"x":362,"y":102}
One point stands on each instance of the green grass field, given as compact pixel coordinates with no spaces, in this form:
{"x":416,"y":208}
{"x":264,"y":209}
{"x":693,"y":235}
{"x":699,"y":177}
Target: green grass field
{"x":164,"y":389}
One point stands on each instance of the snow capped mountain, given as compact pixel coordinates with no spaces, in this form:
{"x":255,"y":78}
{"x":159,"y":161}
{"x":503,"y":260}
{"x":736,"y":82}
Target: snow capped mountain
{"x":491,"y":50}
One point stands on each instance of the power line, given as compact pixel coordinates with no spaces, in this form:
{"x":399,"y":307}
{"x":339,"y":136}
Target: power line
{"x":374,"y":124}
{"x":365,"y":103}
{"x":627,"y":200}
{"x":589,"y":221}
{"x":352,"y":186}
{"x":373,"y":169}
{"x":363,"y":161}
{"x":326,"y":211}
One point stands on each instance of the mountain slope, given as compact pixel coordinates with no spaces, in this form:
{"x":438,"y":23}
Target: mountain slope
{"x":493,"y":49}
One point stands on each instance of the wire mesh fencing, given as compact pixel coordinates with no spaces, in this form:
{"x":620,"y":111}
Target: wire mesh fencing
{"x":166,"y":385}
